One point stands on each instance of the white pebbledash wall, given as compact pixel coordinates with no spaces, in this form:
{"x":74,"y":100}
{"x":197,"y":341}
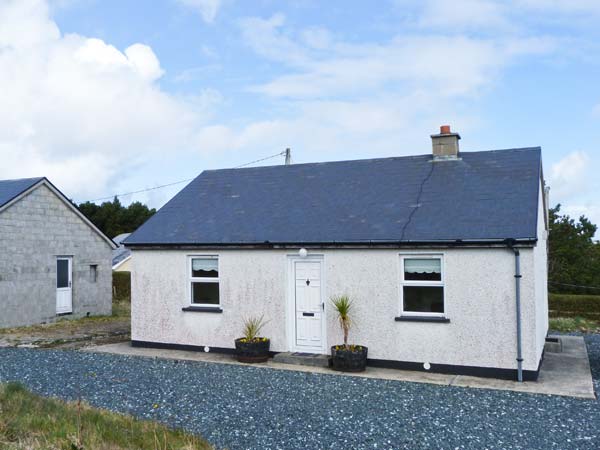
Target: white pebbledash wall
{"x":479,"y":289}
{"x":479,"y":301}
{"x":540,"y":256}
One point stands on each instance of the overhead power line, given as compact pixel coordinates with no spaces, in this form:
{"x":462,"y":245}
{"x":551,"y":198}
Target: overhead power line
{"x":262,"y":159}
{"x":137,"y":192}
{"x":109,"y":197}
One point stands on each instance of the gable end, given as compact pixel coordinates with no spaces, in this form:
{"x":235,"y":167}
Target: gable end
{"x":45,"y":182}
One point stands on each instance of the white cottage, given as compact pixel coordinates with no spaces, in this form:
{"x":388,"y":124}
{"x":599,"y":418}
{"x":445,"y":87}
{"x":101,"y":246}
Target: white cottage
{"x":444,"y":254}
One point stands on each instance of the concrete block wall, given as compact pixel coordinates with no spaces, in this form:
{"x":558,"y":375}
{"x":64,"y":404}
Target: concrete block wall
{"x":33,"y":232}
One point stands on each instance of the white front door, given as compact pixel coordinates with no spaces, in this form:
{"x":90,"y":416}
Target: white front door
{"x":308,"y":306}
{"x":64,"y":289}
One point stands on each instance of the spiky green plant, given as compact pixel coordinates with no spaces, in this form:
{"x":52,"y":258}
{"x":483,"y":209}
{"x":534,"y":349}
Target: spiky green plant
{"x":252,"y":327}
{"x":343,"y":307}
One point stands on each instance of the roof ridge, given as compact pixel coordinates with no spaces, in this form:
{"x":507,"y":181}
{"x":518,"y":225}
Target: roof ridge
{"x":386,"y":158}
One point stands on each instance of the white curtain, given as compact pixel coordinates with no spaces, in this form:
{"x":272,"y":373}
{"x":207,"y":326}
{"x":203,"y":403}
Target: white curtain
{"x":429,"y":265}
{"x":205,"y":264}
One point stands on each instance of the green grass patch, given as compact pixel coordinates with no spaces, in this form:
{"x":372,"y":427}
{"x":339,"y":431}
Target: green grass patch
{"x":28,"y":421}
{"x":571,"y":324}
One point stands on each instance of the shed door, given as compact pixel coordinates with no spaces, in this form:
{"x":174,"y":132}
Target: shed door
{"x":64,"y":289}
{"x":309,"y":306}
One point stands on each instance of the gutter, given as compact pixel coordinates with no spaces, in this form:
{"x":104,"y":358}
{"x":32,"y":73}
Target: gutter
{"x":500,"y":243}
{"x":510,"y":244}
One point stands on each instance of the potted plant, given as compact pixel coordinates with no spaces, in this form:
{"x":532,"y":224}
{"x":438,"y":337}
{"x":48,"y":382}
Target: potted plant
{"x":251,"y":348}
{"x":347,"y":358}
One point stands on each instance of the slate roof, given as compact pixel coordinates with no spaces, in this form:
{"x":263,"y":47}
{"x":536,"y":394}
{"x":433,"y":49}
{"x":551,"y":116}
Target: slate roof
{"x":121,"y":252}
{"x":482,"y":196}
{"x":10,"y":189}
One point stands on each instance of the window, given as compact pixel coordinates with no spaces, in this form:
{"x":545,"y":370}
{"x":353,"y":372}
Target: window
{"x":422,"y":285}
{"x":204,"y":281}
{"x":62,"y":273}
{"x":93,"y":273}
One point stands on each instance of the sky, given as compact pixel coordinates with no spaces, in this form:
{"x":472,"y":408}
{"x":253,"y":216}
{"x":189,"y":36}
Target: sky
{"x":112,"y":96}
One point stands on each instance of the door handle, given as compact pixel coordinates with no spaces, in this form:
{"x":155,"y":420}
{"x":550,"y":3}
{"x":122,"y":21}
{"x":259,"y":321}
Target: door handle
{"x":308,"y":314}
{"x":69,"y":284}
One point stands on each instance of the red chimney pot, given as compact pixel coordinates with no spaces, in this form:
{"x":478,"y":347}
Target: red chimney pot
{"x":445,"y":129}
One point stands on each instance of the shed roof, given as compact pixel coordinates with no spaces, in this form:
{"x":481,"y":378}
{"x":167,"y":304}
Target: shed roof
{"x":9,"y":189}
{"x":120,"y":253}
{"x":482,"y":196}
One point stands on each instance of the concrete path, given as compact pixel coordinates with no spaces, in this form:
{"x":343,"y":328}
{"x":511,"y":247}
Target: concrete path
{"x":567,"y":373}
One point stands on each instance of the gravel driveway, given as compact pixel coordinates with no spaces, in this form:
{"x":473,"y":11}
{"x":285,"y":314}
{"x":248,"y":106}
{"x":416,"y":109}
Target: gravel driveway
{"x":244,"y":407}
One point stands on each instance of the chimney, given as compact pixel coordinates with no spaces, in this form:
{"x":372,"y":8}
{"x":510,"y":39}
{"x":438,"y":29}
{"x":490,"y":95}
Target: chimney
{"x":445,"y":144}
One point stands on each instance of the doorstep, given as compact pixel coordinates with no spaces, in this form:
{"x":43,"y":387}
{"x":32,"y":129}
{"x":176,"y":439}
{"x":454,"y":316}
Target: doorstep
{"x":302,"y":359}
{"x":567,"y":373}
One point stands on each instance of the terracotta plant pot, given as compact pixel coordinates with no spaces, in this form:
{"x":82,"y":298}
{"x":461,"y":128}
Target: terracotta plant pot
{"x":351,"y":359}
{"x":255,"y":351}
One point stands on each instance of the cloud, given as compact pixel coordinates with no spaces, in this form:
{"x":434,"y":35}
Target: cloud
{"x":143,"y":59}
{"x":560,"y":6}
{"x":208,"y":9}
{"x":317,"y":37}
{"x":447,"y":65}
{"x":81,"y":111}
{"x":464,"y":14}
{"x":25,"y":24}
{"x":268,"y":39}
{"x":489,"y":17}
{"x":569,"y":176}
{"x":573,"y":186}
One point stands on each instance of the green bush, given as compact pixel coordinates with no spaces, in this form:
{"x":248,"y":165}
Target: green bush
{"x":571,"y":305}
{"x":122,"y":286}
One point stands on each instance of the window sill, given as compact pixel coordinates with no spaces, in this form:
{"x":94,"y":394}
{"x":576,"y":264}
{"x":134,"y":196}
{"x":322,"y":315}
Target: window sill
{"x":209,"y":309}
{"x":421,"y":319}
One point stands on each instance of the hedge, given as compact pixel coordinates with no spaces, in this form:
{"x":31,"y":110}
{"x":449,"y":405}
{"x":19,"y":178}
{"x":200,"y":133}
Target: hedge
{"x":122,"y":286}
{"x":572,"y":305}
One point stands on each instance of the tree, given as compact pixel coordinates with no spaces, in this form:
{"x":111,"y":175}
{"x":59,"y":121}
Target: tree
{"x":112,"y":218}
{"x":574,"y":256}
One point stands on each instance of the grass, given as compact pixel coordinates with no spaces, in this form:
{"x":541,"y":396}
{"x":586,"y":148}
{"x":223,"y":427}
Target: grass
{"x":574,"y":312}
{"x":571,"y":324}
{"x":120,"y":310}
{"x":28,"y":421}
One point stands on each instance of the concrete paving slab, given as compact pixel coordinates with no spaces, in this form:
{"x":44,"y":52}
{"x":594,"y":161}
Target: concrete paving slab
{"x":567,"y":373}
{"x":302,"y":359}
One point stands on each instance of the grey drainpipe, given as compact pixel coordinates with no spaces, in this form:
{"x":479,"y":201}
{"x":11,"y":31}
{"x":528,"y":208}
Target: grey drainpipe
{"x":518,"y":276}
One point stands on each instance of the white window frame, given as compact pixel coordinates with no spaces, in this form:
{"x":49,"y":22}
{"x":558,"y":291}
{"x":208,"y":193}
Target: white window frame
{"x":191,"y":280}
{"x":422,"y":283}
